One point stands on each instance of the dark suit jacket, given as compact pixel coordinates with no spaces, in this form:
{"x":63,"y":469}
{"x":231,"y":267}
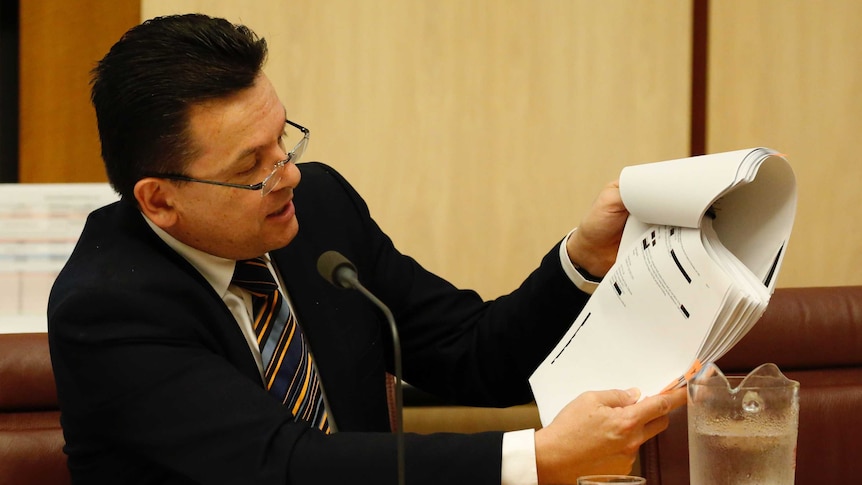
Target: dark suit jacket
{"x":157,"y":384}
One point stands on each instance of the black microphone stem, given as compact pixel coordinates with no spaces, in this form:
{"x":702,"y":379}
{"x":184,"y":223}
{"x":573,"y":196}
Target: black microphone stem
{"x":396,"y":352}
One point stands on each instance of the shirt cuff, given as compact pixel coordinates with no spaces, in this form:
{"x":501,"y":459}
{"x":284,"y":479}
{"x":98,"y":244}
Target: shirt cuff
{"x":519,"y":458}
{"x":583,"y":284}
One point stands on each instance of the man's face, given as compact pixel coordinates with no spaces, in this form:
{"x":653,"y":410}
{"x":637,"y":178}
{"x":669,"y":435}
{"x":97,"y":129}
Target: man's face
{"x":237,"y":139}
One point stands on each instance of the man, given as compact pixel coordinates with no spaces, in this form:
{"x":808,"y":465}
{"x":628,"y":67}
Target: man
{"x":161,"y":374}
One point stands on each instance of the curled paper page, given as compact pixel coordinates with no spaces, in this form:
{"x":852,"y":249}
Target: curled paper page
{"x":695,"y":271}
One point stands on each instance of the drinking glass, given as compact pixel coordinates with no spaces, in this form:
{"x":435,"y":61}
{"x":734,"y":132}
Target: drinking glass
{"x":598,"y":479}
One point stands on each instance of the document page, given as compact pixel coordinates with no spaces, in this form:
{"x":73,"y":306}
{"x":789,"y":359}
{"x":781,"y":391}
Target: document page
{"x":643,"y":325}
{"x":696,"y":266}
{"x":750,"y":193}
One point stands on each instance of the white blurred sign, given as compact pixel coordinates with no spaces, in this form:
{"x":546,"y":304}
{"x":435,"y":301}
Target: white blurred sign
{"x":39,"y":226}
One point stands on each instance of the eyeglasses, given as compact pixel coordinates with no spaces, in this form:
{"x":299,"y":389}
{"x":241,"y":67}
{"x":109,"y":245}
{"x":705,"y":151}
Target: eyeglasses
{"x":269,"y":183}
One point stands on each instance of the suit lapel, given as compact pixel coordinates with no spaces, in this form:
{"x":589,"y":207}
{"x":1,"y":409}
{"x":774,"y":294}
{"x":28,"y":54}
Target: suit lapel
{"x":220,"y":322}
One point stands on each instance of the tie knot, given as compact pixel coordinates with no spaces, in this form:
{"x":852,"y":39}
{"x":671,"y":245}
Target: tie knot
{"x":254,"y":275}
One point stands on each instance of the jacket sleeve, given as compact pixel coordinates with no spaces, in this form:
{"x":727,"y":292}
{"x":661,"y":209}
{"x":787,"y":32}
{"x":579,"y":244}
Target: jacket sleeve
{"x":454,"y":344}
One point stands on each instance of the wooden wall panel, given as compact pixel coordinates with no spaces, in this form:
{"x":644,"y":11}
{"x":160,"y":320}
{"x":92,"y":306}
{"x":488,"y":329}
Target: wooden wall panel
{"x":788,"y":75}
{"x":60,"y":42}
{"x":477,"y":130}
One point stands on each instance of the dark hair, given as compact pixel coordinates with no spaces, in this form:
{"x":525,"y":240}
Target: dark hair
{"x":145,"y":85}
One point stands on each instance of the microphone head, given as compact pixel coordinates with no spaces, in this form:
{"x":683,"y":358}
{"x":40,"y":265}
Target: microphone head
{"x":332,"y":266}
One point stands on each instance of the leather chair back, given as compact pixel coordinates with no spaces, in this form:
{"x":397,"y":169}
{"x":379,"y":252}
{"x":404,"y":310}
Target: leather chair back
{"x":31,"y":439}
{"x":814,"y":335}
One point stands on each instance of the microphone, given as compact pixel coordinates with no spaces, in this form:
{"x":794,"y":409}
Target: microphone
{"x":341,"y":273}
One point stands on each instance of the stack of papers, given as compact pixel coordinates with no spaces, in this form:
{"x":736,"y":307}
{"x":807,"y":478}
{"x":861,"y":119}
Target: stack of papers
{"x":696,"y":268}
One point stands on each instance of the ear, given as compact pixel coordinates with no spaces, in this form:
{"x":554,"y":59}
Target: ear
{"x":156,"y":199}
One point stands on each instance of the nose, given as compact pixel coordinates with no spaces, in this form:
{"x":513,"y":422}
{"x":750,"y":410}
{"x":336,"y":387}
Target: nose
{"x":292,"y":175}
{"x":286,"y":175}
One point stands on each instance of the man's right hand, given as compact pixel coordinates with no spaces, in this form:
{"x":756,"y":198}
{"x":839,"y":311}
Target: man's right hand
{"x":600,"y":432}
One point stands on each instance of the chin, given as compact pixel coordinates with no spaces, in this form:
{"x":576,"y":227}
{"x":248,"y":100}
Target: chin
{"x":284,"y":238}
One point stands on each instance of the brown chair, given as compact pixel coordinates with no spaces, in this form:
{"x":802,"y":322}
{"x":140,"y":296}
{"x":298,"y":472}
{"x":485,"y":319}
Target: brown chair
{"x":814,"y":335}
{"x":31,"y":440}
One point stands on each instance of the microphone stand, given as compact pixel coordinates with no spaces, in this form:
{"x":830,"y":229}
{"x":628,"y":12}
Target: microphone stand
{"x":396,"y":353}
{"x":339,"y":271}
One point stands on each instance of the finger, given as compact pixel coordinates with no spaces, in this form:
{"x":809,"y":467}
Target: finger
{"x":617,"y":398}
{"x":656,"y":426}
{"x":677,"y":397}
{"x":653,"y":407}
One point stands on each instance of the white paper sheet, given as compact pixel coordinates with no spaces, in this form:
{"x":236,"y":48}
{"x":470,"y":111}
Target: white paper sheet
{"x":696,"y":267}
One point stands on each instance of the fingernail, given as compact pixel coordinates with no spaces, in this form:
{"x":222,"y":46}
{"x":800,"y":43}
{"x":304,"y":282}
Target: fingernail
{"x":634,"y":392}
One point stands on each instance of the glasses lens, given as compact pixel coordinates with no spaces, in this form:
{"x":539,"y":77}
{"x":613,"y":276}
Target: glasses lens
{"x":298,"y":150}
{"x":271,"y":182}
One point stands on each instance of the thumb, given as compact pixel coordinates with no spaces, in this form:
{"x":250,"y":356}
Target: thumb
{"x":618,"y":398}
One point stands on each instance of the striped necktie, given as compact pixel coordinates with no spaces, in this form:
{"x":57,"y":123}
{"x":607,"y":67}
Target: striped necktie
{"x":289,"y":373}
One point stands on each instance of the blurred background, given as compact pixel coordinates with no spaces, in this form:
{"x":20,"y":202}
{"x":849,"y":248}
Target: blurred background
{"x":479,"y":131}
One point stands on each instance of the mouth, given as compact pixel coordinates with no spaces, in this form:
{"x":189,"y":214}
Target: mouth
{"x":285,"y":211}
